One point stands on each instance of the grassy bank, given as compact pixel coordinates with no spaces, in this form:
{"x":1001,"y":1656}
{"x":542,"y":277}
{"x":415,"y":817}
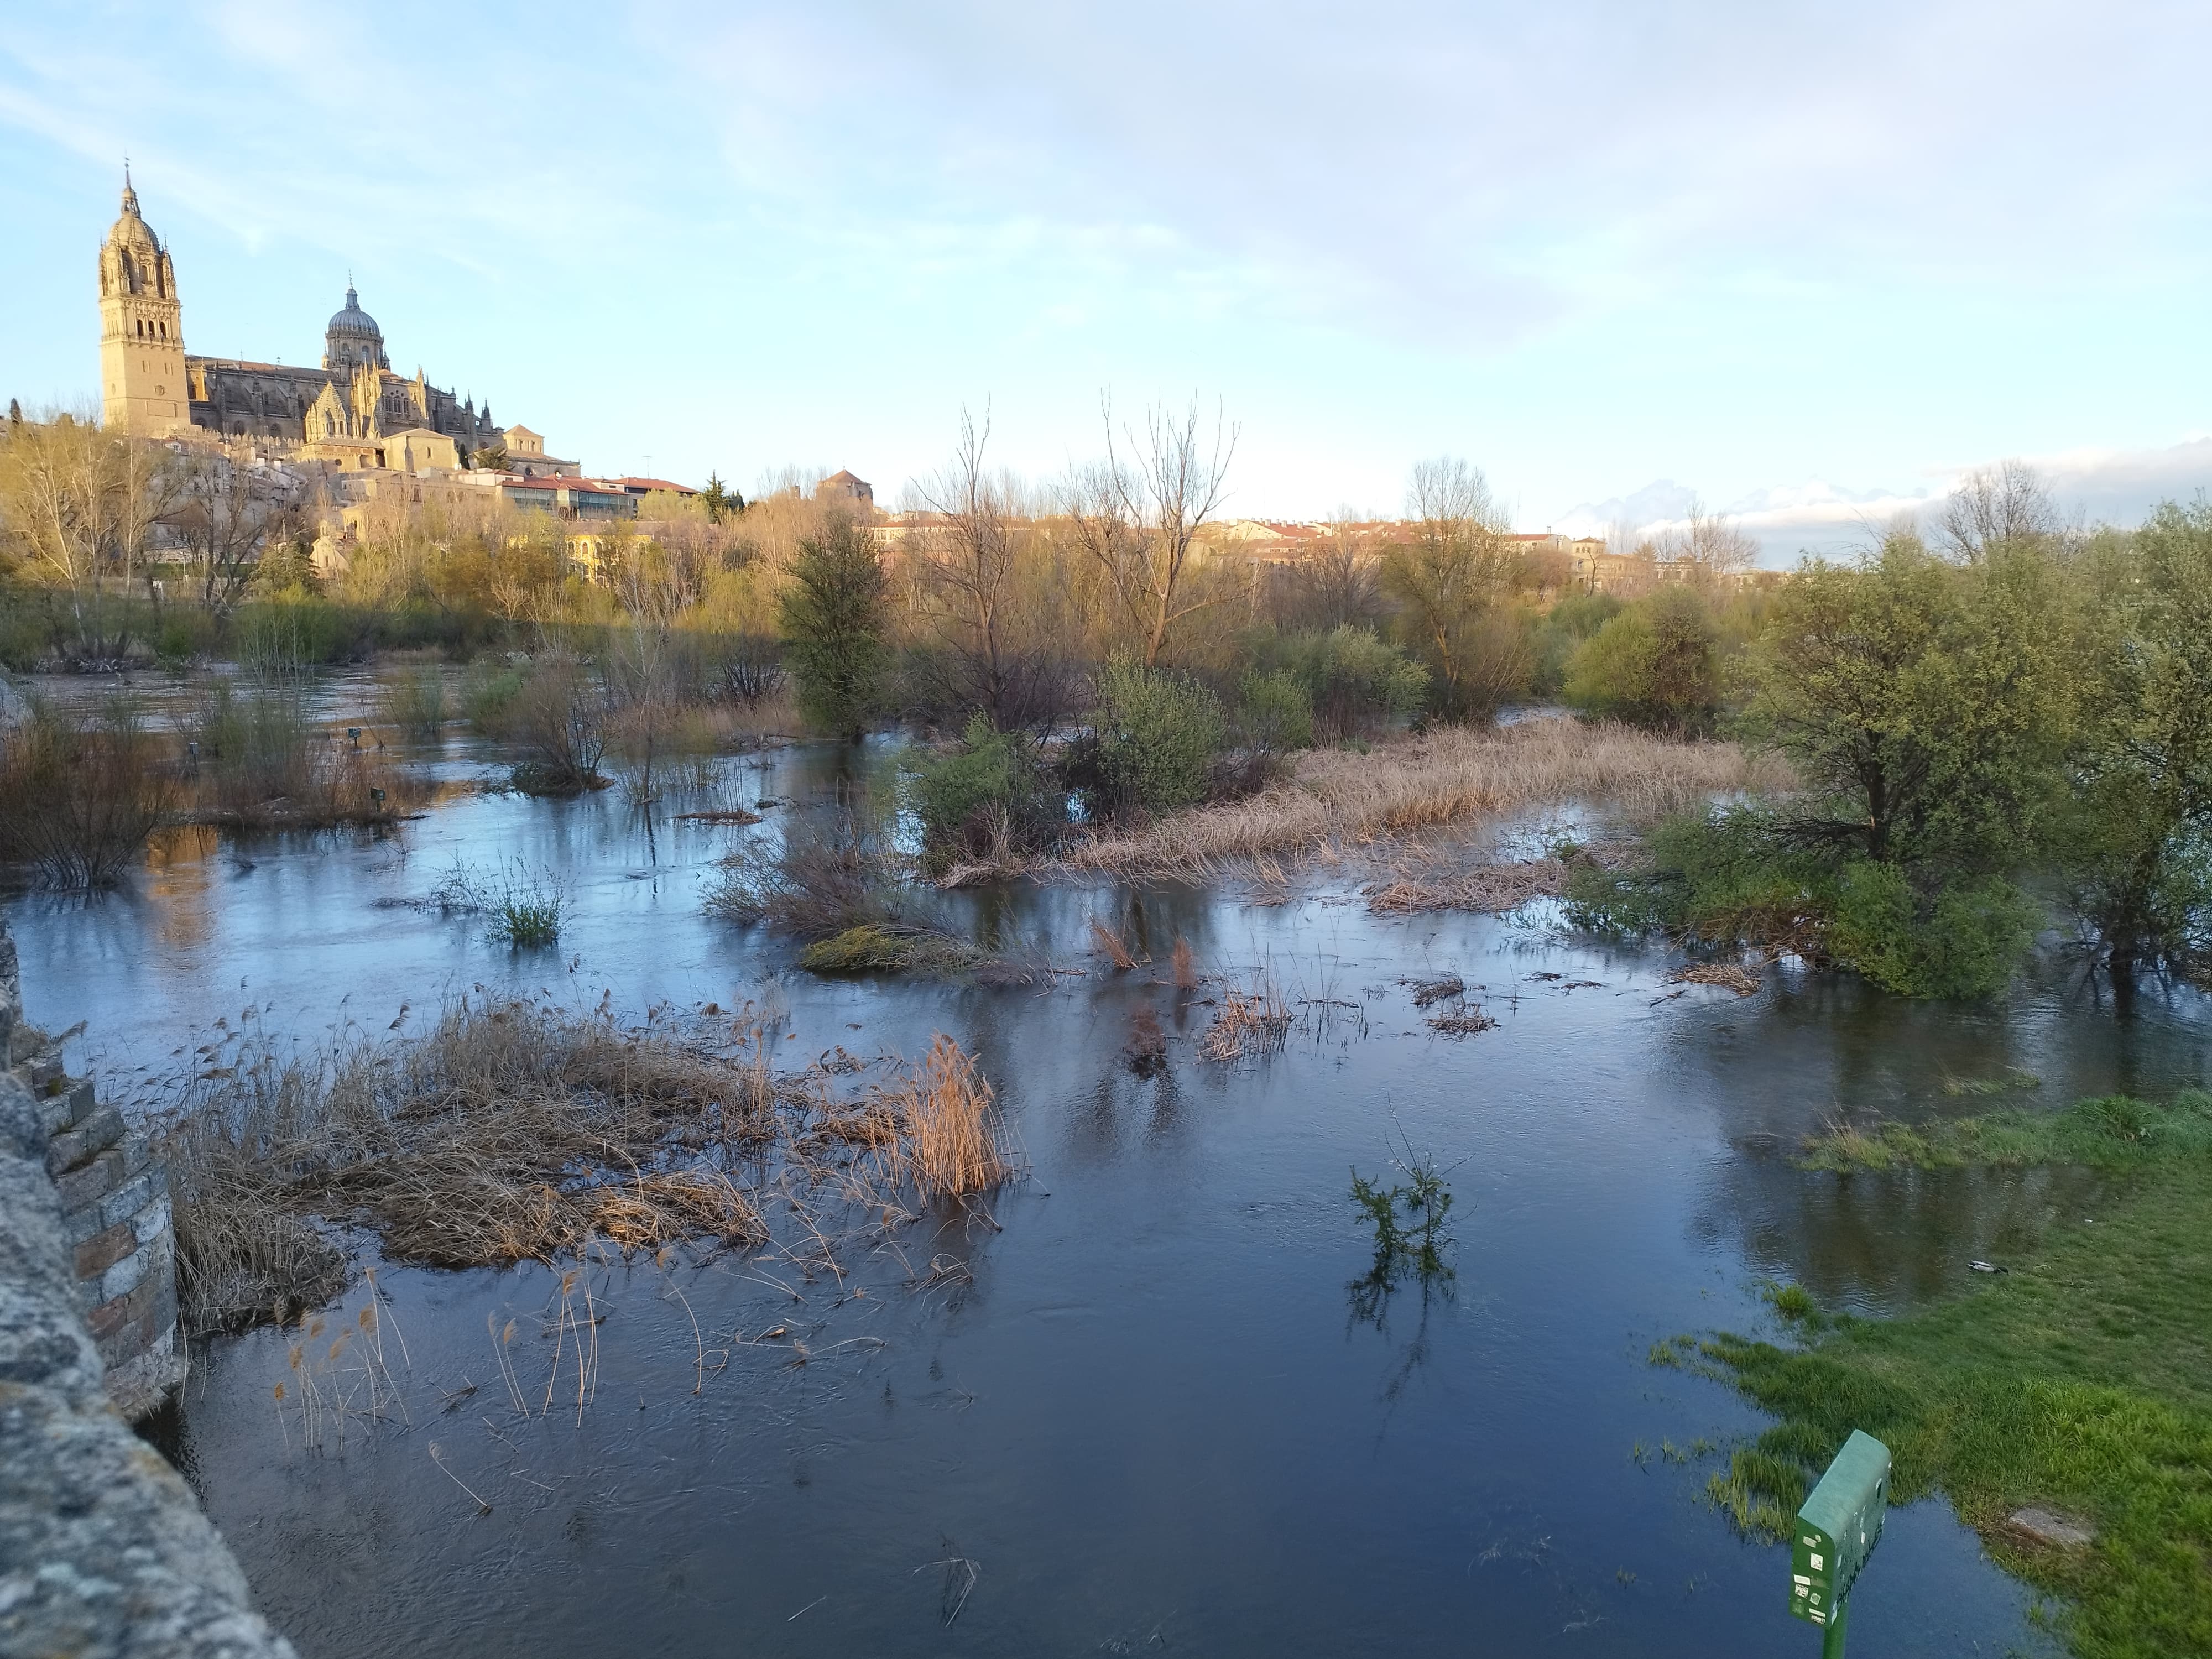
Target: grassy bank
{"x":2080,"y":1380}
{"x":1343,"y":797}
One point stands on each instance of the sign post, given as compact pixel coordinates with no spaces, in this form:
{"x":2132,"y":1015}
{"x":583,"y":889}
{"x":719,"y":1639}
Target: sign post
{"x":1837,"y":1529}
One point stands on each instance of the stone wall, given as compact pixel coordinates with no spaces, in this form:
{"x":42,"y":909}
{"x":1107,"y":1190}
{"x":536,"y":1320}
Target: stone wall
{"x":104,"y":1552}
{"x":115,"y":1212}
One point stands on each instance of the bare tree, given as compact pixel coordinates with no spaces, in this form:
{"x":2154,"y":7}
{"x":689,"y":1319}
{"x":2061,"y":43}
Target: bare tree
{"x":1139,"y":519}
{"x":226,"y":517}
{"x":79,"y":504}
{"x":1706,"y":547}
{"x":1450,"y":578}
{"x":1338,"y":586}
{"x":1993,"y":506}
{"x":968,"y":554}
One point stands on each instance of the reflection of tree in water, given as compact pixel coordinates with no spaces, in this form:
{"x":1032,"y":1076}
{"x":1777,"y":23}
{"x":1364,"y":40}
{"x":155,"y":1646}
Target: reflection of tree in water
{"x":1883,"y":1241}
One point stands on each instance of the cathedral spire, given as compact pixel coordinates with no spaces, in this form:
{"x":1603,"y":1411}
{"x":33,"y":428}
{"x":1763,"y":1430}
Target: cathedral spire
{"x":130,"y":196}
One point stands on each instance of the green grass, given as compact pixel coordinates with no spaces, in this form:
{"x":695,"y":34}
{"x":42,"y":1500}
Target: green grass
{"x":2113,"y":1132}
{"x":878,"y":948}
{"x":2080,"y":1381}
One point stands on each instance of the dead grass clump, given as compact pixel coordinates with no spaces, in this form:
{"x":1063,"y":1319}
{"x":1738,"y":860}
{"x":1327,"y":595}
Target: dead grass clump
{"x":953,"y":1145}
{"x":1110,"y":945}
{"x":472,"y":1145}
{"x":1145,"y":1053}
{"x":1186,"y":966}
{"x":816,"y":882}
{"x":1339,"y":798}
{"x":1464,"y":1022}
{"x":1254,"y":1022}
{"x":1426,"y":991}
{"x":1731,"y":976}
{"x":1488,"y":888}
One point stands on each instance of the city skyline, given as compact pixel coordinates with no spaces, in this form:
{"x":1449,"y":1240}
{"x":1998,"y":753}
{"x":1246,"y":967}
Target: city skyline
{"x":1807,"y":270}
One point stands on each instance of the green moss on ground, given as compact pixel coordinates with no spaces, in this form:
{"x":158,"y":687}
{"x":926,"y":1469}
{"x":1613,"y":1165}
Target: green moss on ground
{"x":2080,"y":1381}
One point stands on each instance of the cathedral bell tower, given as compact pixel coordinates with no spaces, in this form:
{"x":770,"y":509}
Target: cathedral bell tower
{"x":142,"y":341}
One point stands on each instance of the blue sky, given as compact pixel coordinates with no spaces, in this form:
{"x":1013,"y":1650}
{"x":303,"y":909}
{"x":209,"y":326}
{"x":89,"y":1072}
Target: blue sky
{"x":1807,"y":261}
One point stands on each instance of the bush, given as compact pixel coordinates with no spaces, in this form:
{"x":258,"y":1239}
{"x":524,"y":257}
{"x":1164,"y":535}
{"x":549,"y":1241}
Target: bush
{"x":79,"y":797}
{"x":1561,"y":632}
{"x":1655,"y":665}
{"x":1966,"y":942}
{"x":986,"y":799}
{"x":1151,"y":745}
{"x":559,"y":720}
{"x":1275,"y":713}
{"x":1738,"y":878}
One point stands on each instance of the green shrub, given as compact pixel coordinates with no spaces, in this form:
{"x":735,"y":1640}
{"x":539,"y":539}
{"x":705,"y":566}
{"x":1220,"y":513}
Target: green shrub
{"x":834,"y":625}
{"x":1355,"y":683}
{"x":488,"y":693}
{"x":1152,"y":742}
{"x":1739,"y":877}
{"x":985,"y":799}
{"x":1561,"y":631}
{"x":1274,"y":713}
{"x":1655,"y":665}
{"x":1966,"y":942}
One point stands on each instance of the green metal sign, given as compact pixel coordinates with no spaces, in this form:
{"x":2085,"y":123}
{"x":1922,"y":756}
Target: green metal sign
{"x":1837,"y":1530}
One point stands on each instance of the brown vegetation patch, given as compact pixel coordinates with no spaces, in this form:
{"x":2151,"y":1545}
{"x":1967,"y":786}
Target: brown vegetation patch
{"x":1254,"y":1022}
{"x":521,"y":1132}
{"x":1340,"y":799}
{"x":737,"y":815}
{"x":1464,"y":1023}
{"x":1733,"y":976}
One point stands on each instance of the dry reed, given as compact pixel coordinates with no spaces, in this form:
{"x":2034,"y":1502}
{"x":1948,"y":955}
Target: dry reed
{"x":1254,"y":1022}
{"x":1110,"y":945}
{"x":954,"y":1136}
{"x":1186,"y":967}
{"x":516,"y":1131}
{"x":1730,"y":976}
{"x":1339,"y":799}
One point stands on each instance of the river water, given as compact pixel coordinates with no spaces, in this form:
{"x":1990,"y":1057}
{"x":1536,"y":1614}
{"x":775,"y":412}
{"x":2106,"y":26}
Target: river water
{"x":1150,"y":1411}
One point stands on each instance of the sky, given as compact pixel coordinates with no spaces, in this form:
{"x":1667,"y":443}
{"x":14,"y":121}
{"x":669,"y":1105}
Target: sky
{"x":1806,"y":264}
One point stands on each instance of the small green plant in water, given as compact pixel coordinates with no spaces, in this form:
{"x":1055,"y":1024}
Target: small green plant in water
{"x":1409,"y":1221}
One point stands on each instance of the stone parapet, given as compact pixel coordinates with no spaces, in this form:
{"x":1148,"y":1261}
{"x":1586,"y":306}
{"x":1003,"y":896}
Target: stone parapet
{"x":116,"y":1221}
{"x":104,"y":1552}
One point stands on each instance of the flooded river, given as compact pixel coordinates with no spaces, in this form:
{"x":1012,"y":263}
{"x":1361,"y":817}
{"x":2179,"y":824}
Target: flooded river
{"x":1150,"y":1410}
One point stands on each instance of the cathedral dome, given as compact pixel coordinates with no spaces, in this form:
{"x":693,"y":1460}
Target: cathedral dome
{"x":354,"y":320}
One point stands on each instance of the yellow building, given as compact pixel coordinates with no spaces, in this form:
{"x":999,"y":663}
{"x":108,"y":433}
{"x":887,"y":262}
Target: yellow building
{"x":143,"y":385}
{"x":350,"y":404}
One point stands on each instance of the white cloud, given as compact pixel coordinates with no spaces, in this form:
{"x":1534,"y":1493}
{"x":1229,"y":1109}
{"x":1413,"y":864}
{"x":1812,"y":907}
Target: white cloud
{"x":2090,"y":487}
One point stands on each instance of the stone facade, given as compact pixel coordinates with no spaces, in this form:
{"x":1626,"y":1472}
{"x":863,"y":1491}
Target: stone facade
{"x":115,"y":1216}
{"x":348,"y":406}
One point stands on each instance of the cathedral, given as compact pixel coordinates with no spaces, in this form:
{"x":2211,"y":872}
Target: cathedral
{"x":353,"y":410}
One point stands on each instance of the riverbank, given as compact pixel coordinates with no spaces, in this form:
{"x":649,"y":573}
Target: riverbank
{"x":2076,"y":1382}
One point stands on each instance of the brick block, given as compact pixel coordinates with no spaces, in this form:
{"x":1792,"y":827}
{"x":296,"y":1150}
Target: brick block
{"x":126,"y":1275}
{"x":104,"y":1249}
{"x":138,"y":1156}
{"x":73,"y":1148}
{"x":127,"y":1199}
{"x":77,"y":1226}
{"x":152,"y":1223}
{"x":88,"y":1185}
{"x":82,"y":1100}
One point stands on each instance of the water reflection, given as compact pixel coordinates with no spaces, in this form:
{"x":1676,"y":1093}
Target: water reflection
{"x":1150,"y":1397}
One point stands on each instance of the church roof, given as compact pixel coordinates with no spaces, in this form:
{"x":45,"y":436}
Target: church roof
{"x":353,"y":319}
{"x":843,"y":476}
{"x":638,"y":486}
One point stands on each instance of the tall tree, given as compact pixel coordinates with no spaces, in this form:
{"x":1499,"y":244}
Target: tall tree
{"x":833,"y":623}
{"x":1450,"y":581}
{"x":2139,"y":845}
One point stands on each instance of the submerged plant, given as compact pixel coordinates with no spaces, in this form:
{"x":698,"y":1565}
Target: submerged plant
{"x":1409,"y":1221}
